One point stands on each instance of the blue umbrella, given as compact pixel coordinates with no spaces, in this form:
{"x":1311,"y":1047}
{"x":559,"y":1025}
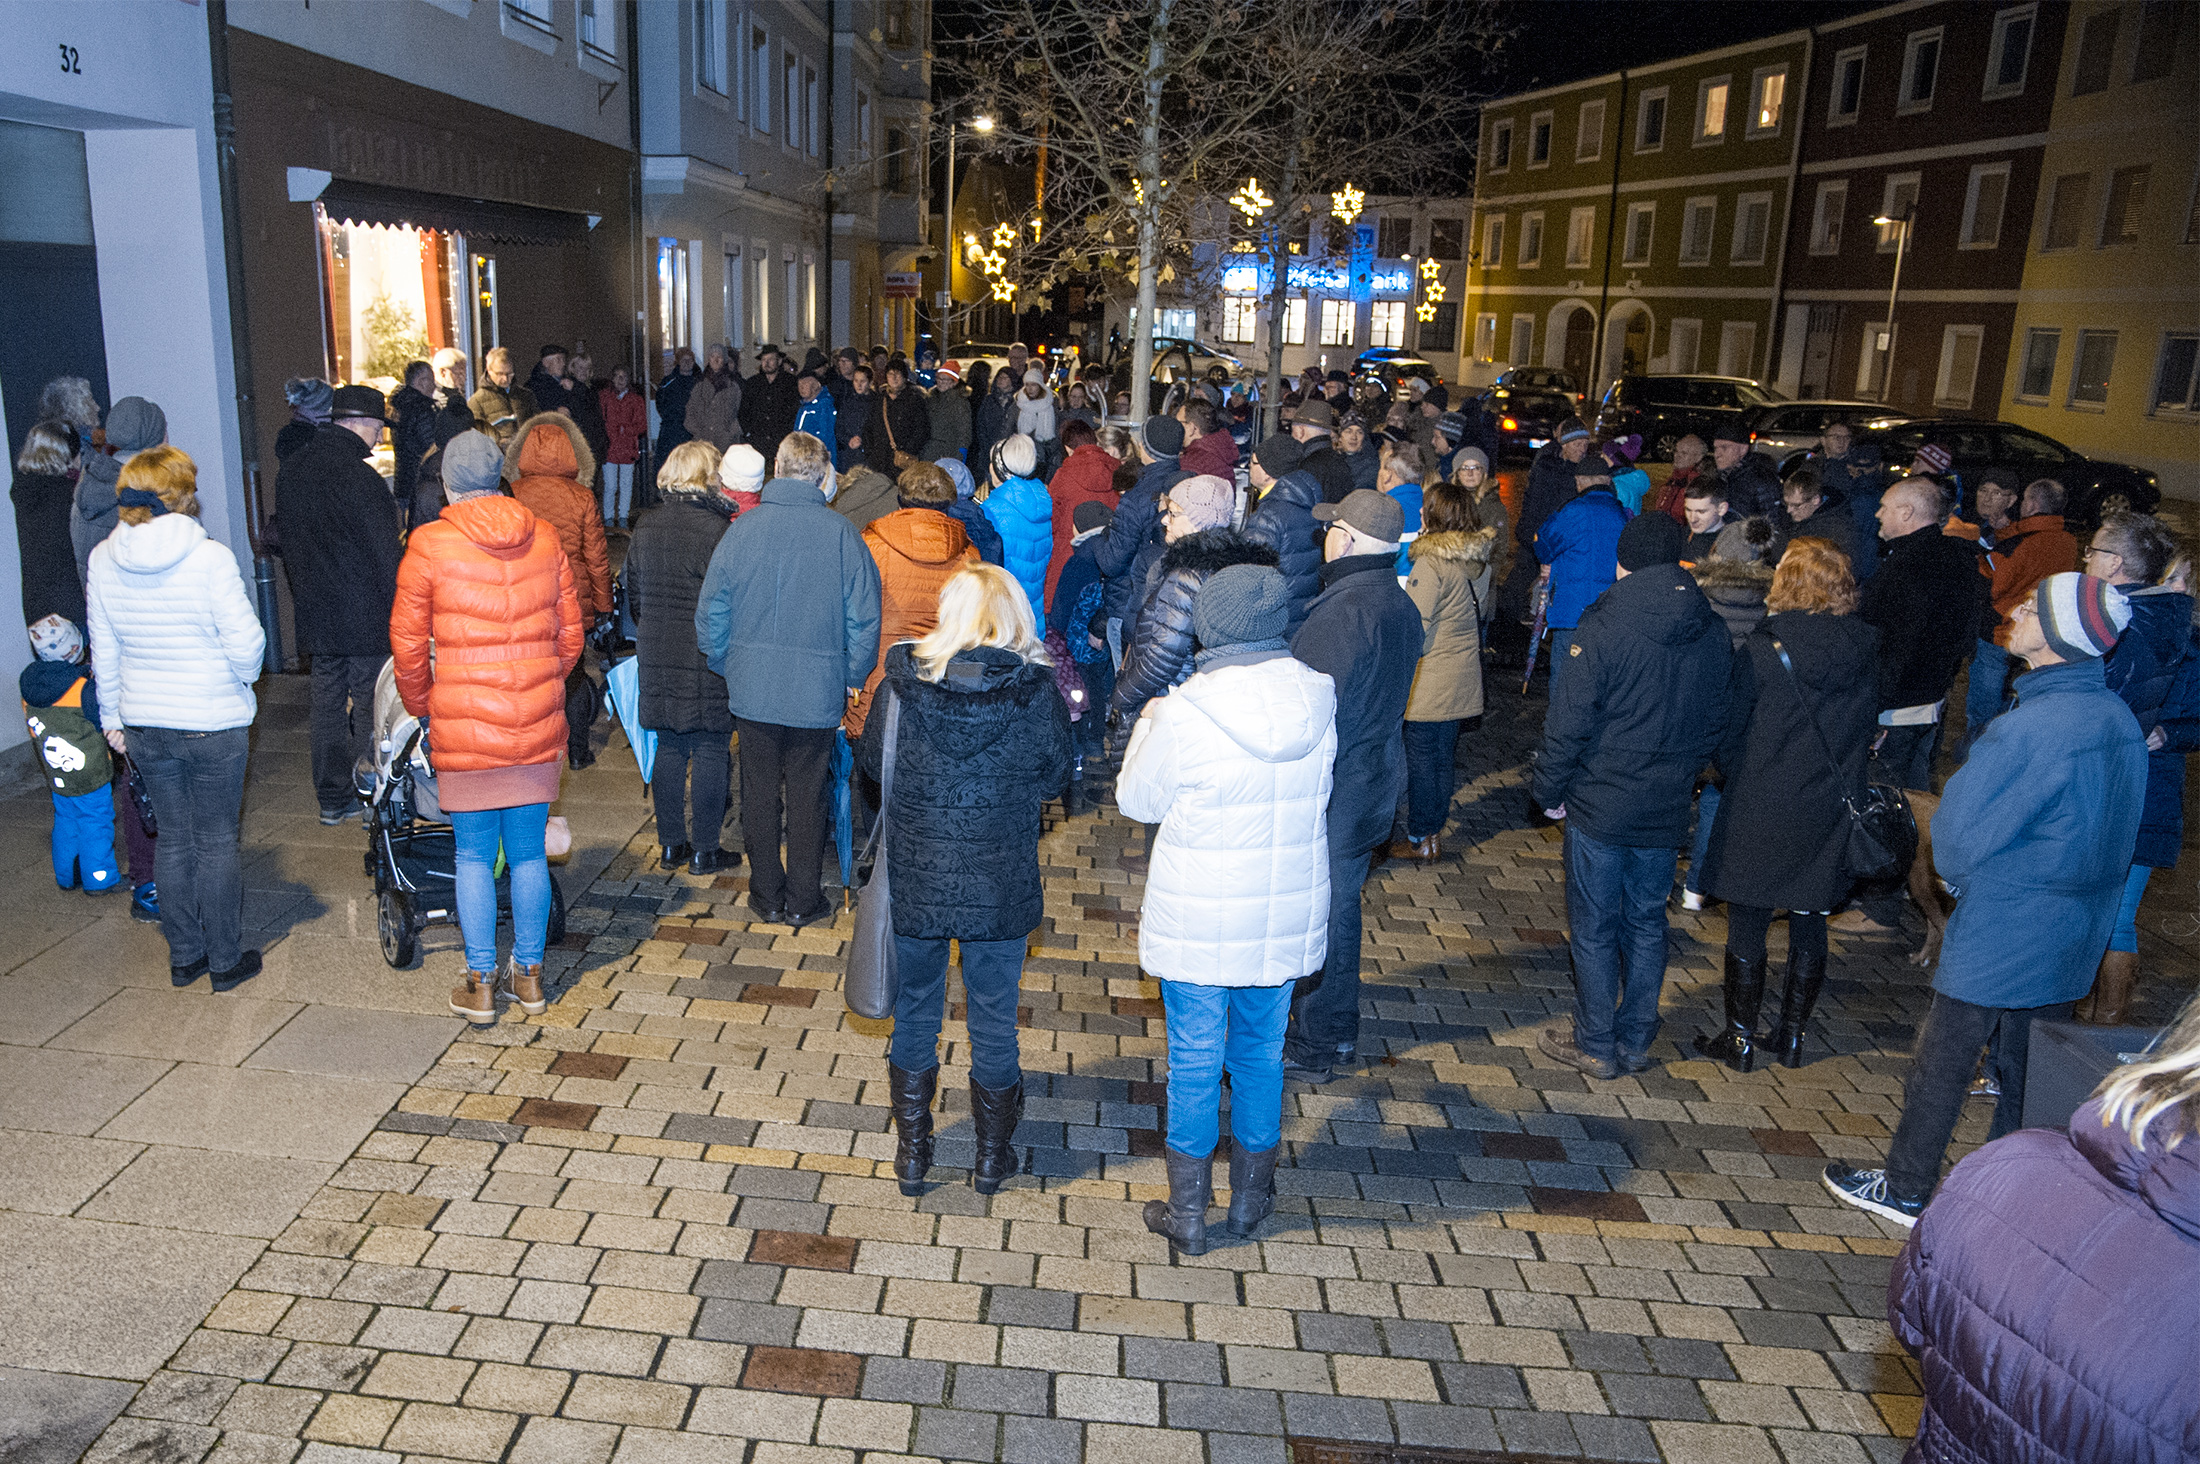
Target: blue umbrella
{"x":844,"y":824}
{"x":623,"y":689}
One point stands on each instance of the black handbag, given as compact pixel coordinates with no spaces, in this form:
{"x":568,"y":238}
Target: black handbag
{"x":1882,"y":831}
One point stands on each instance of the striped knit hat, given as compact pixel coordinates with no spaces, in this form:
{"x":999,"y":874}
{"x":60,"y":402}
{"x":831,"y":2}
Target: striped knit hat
{"x":2081,"y":616}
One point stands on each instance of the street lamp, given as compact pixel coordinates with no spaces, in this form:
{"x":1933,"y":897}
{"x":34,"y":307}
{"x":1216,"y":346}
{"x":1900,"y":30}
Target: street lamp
{"x":979,"y":123}
{"x":1903,"y":223}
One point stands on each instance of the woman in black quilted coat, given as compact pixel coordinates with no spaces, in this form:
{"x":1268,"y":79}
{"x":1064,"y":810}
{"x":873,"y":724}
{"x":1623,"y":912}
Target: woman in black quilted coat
{"x":983,"y":744}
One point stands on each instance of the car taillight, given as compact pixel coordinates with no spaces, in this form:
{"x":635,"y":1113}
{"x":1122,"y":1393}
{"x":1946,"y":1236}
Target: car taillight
{"x":1509,"y":425}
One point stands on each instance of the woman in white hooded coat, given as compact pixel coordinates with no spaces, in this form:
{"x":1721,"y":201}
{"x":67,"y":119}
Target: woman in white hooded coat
{"x":1235,"y":766}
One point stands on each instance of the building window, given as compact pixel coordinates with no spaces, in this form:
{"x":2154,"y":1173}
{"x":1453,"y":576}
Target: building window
{"x":598,"y":28}
{"x":1523,"y":340}
{"x":790,"y":291}
{"x":1959,"y":348}
{"x":1394,"y":238}
{"x":1982,"y":206}
{"x":532,"y":12}
{"x":763,"y":331}
{"x":1737,"y":347}
{"x":2066,"y":211}
{"x":673,"y":323}
{"x":1387,"y":327}
{"x":1441,"y":331}
{"x":710,"y":46}
{"x":1485,"y":337}
{"x":1641,"y":223}
{"x":2158,"y":27}
{"x":897,"y":167}
{"x":1767,"y":96}
{"x":2127,"y":201}
{"x":1846,"y":100}
{"x":1684,"y":338}
{"x":1294,"y":321}
{"x":1589,"y":140}
{"x":1336,"y":322}
{"x":1501,"y":145}
{"x":1920,"y":72}
{"x":2038,"y":377}
{"x":1711,"y":110}
{"x":2011,"y":54}
{"x":809,"y":109}
{"x":1447,"y":239}
{"x":790,"y":97}
{"x":894,"y":22}
{"x":760,"y":79}
{"x":1752,"y":225}
{"x":1581,"y":229}
{"x":2175,"y":386}
{"x":2096,"y":52}
{"x":1493,"y":242}
{"x":2095,"y":362}
{"x":1898,"y":202}
{"x":1239,"y":315}
{"x":1825,"y":220}
{"x":1650,"y":121}
{"x":1539,"y":140}
{"x":1697,"y":223}
{"x":863,"y":124}
{"x":1176,"y":322}
{"x":1531,"y":240}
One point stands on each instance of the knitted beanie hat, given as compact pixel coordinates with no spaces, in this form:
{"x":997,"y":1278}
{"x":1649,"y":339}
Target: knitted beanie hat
{"x":1651,"y":538}
{"x":1162,"y":436}
{"x":472,"y":464}
{"x":1208,"y":501}
{"x":1278,"y":454}
{"x":2081,"y":616}
{"x":741,"y":470}
{"x":1018,"y":456}
{"x":1241,"y":603}
{"x":57,"y":638}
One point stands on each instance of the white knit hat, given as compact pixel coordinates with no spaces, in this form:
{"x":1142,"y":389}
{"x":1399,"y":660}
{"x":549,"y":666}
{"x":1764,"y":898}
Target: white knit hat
{"x":741,"y":470}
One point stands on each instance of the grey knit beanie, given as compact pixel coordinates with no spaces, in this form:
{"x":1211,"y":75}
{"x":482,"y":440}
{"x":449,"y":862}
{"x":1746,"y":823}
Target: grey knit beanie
{"x":1241,"y":603}
{"x":472,"y":464}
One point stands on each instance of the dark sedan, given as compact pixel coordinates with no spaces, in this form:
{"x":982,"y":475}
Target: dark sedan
{"x":1529,"y":402}
{"x":2095,"y":486}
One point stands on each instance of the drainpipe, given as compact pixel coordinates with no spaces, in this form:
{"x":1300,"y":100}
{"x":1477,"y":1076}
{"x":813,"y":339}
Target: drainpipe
{"x":1611,"y":230}
{"x":240,"y":335}
{"x":832,"y":109}
{"x":638,"y":275}
{"x":1776,"y":330}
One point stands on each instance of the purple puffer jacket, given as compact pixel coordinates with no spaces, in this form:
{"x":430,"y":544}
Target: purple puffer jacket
{"x":2051,"y":1291}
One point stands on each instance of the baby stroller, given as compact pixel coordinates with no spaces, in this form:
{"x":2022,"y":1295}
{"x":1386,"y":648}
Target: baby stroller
{"x":412,"y":850}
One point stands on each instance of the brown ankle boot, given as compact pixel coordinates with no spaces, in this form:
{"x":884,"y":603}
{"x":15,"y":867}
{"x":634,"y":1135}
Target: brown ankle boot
{"x":476,"y":1000}
{"x":524,"y":985}
{"x":2113,"y":984}
{"x":1420,"y":851}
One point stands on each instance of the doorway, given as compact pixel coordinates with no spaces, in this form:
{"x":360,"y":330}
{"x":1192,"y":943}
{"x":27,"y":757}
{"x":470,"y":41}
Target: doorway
{"x":1818,"y":337}
{"x":1581,"y":334}
{"x":49,"y":272}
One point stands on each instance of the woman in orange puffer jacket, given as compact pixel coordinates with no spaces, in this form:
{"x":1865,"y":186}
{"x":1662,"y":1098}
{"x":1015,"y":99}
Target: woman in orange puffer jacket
{"x":484,"y":630}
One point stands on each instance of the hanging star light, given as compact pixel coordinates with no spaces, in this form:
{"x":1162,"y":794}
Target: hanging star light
{"x":1424,"y":312}
{"x":1004,"y":236}
{"x":1430,"y":269}
{"x":1345,"y":204}
{"x":1004,"y":290}
{"x":1250,"y":201}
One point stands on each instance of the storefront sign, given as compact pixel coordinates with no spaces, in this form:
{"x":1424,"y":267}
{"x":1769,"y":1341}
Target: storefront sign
{"x":1334,"y":278}
{"x":903,"y":286}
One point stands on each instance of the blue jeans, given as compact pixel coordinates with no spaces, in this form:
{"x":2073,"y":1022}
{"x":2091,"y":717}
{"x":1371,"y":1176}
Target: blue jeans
{"x":84,"y":841}
{"x":1325,"y":1015}
{"x":992,"y":971}
{"x":196,"y":782}
{"x":1707,"y":814}
{"x":1615,"y":918}
{"x":1986,"y":695}
{"x":1217,"y":1027}
{"x":2126,"y":937}
{"x":519,"y":830}
{"x":1432,"y":748}
{"x":1560,"y":640}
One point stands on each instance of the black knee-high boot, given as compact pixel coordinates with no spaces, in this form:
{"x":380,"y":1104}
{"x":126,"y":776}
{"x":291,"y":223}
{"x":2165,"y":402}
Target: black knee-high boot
{"x":1735,"y":1044}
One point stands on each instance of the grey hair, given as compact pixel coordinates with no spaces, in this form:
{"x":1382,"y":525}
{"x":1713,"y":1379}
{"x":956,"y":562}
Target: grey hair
{"x":47,"y":448}
{"x":803,"y":456}
{"x":2144,"y":544}
{"x":69,"y":399}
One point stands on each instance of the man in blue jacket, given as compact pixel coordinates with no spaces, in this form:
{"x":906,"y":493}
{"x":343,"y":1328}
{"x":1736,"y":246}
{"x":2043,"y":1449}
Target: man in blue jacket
{"x":789,"y":615}
{"x":1578,"y":547}
{"x":1632,"y":722}
{"x":2035,"y":834}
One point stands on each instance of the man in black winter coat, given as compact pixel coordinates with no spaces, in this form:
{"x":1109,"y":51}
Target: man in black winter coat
{"x":1631,"y":723}
{"x":1283,"y":519}
{"x":412,"y":425}
{"x":553,"y":389}
{"x":1752,"y":482}
{"x":1364,"y":634}
{"x":1137,"y":520}
{"x":770,"y":402}
{"x":340,"y":529}
{"x":899,"y":422}
{"x":1315,"y":425}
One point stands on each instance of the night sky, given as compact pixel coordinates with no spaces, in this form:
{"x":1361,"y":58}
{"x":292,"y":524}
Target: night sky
{"x":1558,"y":41}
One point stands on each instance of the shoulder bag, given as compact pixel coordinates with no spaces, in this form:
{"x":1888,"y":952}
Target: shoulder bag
{"x":873,"y":983}
{"x":1882,"y":832}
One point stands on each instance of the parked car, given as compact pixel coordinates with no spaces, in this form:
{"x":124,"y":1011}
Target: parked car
{"x":2095,"y":485}
{"x":1793,"y":427}
{"x":1540,"y":378}
{"x":1176,"y":360}
{"x":1664,"y":409}
{"x":993,"y":353}
{"x":1529,"y":402}
{"x":1392,"y":366}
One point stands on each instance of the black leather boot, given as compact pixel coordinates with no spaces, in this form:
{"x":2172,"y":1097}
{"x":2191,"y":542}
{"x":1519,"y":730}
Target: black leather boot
{"x":1252,"y":1188}
{"x":912,"y":1099}
{"x":1806,"y":978}
{"x":1736,"y":1043}
{"x":994,"y":1114}
{"x":1182,"y":1217}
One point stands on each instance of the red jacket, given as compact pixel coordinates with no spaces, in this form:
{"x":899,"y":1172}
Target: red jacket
{"x":484,"y":631}
{"x":625,"y":423}
{"x":1086,"y":476}
{"x":1216,"y":453}
{"x":1673,"y":497}
{"x":547,"y":463}
{"x":2025,"y":553}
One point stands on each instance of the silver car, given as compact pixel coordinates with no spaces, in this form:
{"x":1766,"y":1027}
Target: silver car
{"x":1789,"y":427}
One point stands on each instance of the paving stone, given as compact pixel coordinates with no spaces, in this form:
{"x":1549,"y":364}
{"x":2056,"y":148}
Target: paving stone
{"x":819,"y":1373}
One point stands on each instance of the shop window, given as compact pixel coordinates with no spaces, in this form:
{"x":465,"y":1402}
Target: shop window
{"x":1642,"y":221}
{"x":1920,"y":72}
{"x":2159,"y":22}
{"x":2127,"y":202}
{"x":1394,"y":238}
{"x":1845,"y":101}
{"x":1240,"y":313}
{"x":1387,"y":326}
{"x":1711,"y":109}
{"x":1539,"y":140}
{"x":1336,"y":322}
{"x":1825,"y":221}
{"x":809,"y":296}
{"x":1294,"y":321}
{"x":710,"y":46}
{"x":1697,"y":224}
{"x":675,"y":325}
{"x":1523,"y":340}
{"x":1176,"y":323}
{"x":393,"y":295}
{"x":1650,"y":120}
{"x":1531,"y":240}
{"x":1752,"y":227}
{"x":2038,"y":376}
{"x":1768,"y":97}
{"x":1589,"y":132}
{"x":2096,"y":52}
{"x":1485,"y":337}
{"x":2096,"y":362}
{"x":1447,"y":239}
{"x":1493,"y":242}
{"x":1958,"y":380}
{"x":1501,"y":145}
{"x":2177,"y":373}
{"x":2011,"y":53}
{"x":792,"y":281}
{"x":1983,"y":201}
{"x":1440,"y":332}
{"x":2066,"y":211}
{"x":1581,"y":230}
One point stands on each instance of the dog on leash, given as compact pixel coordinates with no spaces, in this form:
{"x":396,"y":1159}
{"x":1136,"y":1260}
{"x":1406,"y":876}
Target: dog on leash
{"x":1924,"y":883}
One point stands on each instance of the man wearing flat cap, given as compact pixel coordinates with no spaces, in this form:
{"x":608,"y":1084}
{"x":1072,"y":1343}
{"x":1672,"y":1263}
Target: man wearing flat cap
{"x":340,"y":529}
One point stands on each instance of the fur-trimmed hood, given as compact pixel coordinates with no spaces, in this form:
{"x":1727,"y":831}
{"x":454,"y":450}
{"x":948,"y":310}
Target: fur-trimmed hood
{"x":1472,"y":547}
{"x":1211,"y":549}
{"x":1732,"y":579}
{"x":521,"y":460}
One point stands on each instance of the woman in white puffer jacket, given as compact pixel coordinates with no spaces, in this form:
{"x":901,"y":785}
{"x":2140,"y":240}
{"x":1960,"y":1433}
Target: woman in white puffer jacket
{"x":175,"y":650}
{"x":1235,"y":765}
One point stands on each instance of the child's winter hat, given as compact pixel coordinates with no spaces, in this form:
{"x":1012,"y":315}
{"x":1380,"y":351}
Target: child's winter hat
{"x":57,"y":638}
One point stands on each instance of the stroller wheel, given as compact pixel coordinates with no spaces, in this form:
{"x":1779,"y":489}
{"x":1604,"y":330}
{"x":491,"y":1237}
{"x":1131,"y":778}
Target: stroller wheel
{"x":394,"y":925}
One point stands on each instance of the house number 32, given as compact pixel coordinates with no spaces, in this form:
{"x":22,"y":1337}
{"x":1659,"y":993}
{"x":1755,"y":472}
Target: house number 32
{"x":69,"y":63}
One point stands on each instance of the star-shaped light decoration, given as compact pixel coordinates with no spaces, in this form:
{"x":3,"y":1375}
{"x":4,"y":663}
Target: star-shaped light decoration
{"x":1346,"y":202}
{"x":1004,"y":290}
{"x":1430,"y":269}
{"x":1250,"y":201}
{"x":1004,"y":236}
{"x":992,"y":263}
{"x":1425,"y":311}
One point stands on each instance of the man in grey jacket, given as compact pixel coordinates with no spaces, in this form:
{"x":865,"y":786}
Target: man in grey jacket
{"x":789,"y":616}
{"x":134,"y":425}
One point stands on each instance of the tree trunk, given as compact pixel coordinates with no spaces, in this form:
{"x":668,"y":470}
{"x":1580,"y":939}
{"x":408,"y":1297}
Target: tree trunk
{"x":1279,"y":276}
{"x":1149,"y":214}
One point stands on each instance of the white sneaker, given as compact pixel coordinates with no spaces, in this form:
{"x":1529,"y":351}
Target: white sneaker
{"x":1691,"y":900}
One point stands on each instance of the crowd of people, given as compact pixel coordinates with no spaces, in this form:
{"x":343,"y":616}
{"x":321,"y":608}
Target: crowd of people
{"x":990,"y":595}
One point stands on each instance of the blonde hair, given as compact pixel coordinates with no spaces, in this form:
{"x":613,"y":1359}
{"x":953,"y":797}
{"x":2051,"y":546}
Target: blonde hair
{"x":499,"y":359}
{"x":166,"y":471}
{"x":980,"y":605}
{"x":691,"y":467}
{"x":46,"y":449}
{"x":2168,"y":1083}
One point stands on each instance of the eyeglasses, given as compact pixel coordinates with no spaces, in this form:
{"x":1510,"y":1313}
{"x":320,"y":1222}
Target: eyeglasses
{"x":2093,"y":550}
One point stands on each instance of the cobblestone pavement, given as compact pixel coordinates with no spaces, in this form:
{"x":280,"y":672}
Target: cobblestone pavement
{"x":658,"y":1223}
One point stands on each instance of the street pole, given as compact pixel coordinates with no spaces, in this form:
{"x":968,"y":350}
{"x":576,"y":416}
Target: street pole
{"x":947,"y":228}
{"x":1901,"y":245}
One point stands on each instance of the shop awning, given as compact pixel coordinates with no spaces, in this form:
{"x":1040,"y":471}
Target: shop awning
{"x":479,"y":219}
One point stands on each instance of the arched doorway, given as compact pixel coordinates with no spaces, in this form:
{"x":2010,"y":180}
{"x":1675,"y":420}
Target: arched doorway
{"x":1581,"y":335}
{"x":1627,"y":333}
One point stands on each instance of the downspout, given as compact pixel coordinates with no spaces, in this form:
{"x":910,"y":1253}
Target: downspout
{"x":240,"y":335}
{"x":638,"y":275}
{"x":1776,"y":329}
{"x":1611,"y":230}
{"x":832,"y":113}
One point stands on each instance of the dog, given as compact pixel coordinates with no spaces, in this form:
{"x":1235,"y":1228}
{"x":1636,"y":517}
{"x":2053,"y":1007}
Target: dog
{"x":1925,"y":886}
